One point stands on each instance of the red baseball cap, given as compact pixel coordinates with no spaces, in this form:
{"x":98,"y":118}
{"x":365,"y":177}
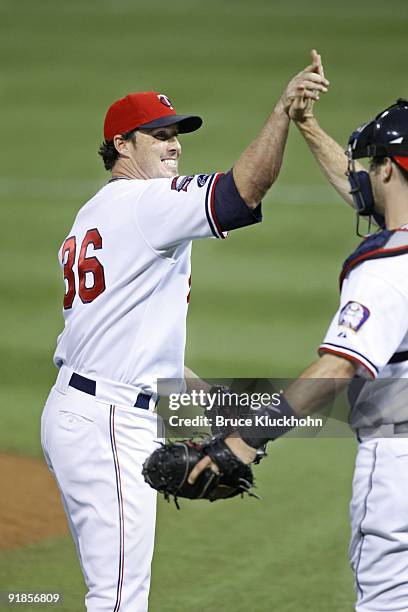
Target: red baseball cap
{"x":147,"y":110}
{"x":401,"y":161}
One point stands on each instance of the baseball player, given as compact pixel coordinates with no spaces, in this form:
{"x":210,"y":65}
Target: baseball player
{"x":126,"y":268}
{"x":367,"y":340}
{"x":370,"y":330}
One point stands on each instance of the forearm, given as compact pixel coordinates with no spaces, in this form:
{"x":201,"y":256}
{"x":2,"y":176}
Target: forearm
{"x":317,"y":386}
{"x":259,"y":165}
{"x":329,"y":155}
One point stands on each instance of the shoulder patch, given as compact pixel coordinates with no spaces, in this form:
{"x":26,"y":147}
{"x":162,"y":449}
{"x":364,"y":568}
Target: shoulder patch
{"x":353,"y":316}
{"x":202,"y":179}
{"x":181,"y":183}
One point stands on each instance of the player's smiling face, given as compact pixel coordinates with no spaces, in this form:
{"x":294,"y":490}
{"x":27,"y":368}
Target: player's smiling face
{"x":156,"y":152}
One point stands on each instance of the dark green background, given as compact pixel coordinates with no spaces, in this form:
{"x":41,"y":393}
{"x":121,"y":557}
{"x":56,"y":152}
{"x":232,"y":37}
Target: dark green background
{"x":261,"y":300}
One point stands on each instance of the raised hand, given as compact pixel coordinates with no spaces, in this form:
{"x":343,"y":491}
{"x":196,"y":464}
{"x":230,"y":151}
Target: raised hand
{"x":302,"y":104}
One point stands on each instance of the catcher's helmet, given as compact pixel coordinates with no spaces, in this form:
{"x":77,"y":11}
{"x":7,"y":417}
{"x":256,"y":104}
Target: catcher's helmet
{"x":386,"y":135}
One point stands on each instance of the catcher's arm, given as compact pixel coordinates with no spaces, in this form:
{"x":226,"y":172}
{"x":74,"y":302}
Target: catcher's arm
{"x":328,"y":153}
{"x":258,"y":166}
{"x":327,"y":376}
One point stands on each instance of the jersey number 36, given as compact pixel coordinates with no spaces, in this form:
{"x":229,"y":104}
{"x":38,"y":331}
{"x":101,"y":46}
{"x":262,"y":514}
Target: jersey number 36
{"x":91,"y":275}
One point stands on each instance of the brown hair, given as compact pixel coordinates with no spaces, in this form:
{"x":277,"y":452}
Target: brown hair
{"x":109,"y":152}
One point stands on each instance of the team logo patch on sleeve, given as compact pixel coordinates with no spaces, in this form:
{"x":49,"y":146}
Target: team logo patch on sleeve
{"x":181,"y":183}
{"x":353,"y":315}
{"x":202,"y":179}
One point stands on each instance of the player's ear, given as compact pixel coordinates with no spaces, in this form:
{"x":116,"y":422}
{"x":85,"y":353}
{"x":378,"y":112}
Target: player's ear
{"x":387,"y":169}
{"x":120,"y":144}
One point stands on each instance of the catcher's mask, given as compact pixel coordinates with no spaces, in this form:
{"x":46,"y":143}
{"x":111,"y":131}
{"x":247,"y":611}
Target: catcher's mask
{"x":386,"y":135}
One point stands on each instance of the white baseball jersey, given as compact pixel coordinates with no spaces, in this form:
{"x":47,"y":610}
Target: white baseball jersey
{"x":370,"y":326}
{"x":126,"y":264}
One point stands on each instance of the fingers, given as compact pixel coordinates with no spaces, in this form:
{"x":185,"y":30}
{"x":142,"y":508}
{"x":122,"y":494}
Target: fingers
{"x":301,"y":107}
{"x":313,"y":86}
{"x":310,"y":92}
{"x":299,"y":102}
{"x":321,"y":71}
{"x":317,"y":79}
{"x":317,"y":62}
{"x":200,"y":467}
{"x":297,"y":108}
{"x":310,"y":80}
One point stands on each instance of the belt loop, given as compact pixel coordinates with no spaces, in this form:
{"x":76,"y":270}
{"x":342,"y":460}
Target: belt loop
{"x":63,"y":378}
{"x":154,"y":400}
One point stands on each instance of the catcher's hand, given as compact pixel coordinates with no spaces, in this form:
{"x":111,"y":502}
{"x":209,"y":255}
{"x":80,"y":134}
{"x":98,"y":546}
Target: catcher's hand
{"x":311,"y":81}
{"x":168,"y":468}
{"x":301,"y":108}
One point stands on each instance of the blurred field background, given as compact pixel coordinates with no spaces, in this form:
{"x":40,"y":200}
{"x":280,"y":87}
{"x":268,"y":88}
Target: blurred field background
{"x":260,"y":301}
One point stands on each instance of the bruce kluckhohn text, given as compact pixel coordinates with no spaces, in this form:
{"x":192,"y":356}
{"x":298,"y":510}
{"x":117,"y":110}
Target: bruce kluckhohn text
{"x":258,"y":421}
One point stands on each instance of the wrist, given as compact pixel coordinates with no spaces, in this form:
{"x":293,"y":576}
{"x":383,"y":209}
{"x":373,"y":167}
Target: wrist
{"x":241,"y":449}
{"x":281,"y":108}
{"x":308,"y":123}
{"x":268,"y":423}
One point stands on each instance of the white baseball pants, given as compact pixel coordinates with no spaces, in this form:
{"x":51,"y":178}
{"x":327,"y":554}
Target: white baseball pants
{"x":96,"y":451}
{"x":379,"y":522}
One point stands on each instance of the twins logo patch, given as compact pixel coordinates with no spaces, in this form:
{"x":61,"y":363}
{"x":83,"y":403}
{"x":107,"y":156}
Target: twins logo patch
{"x":202,"y":179}
{"x":353,"y":315}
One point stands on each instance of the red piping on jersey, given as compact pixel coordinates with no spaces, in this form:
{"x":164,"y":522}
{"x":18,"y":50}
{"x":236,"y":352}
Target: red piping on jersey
{"x":189,"y":290}
{"x":217,"y":223}
{"x":369,"y":255}
{"x":119,"y":587}
{"x":349,"y":357}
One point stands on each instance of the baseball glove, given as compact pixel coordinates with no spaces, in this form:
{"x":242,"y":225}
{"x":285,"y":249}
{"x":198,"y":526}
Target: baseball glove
{"x":168,"y":467}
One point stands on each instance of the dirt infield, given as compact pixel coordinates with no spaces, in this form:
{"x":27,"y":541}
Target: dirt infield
{"x":30,"y":505}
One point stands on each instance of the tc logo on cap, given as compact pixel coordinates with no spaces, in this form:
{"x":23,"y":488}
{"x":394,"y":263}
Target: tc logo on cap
{"x":164,"y":100}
